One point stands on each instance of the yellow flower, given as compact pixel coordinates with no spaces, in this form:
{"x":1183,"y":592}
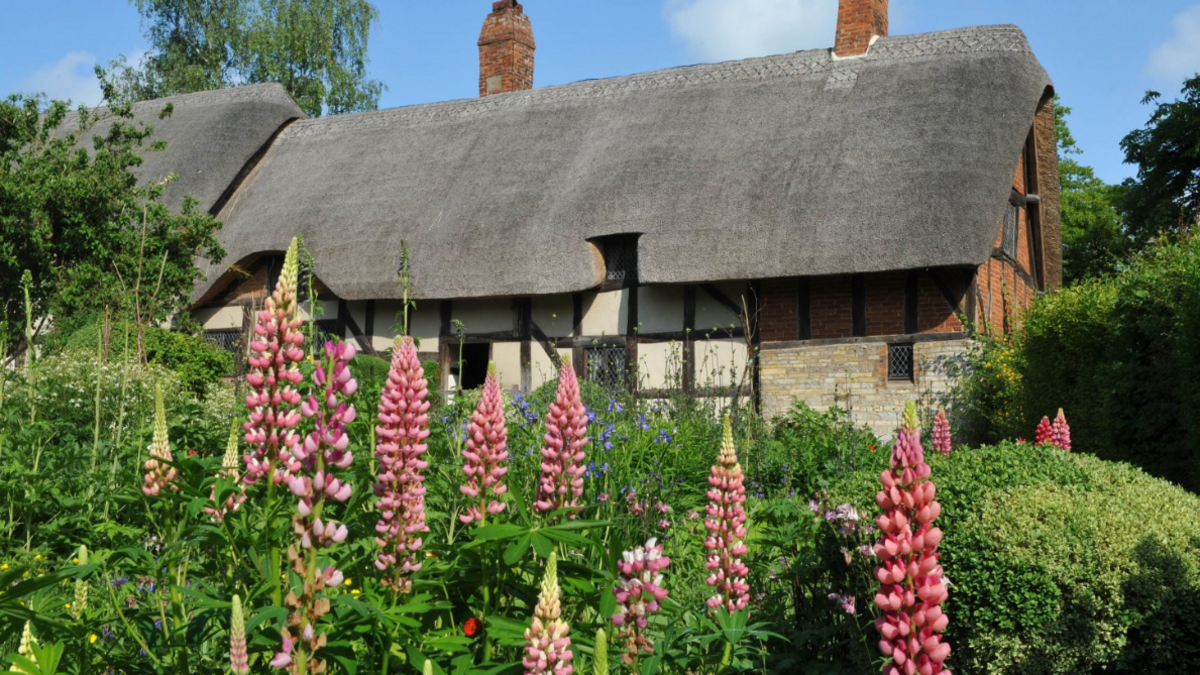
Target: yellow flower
{"x":348,"y":582}
{"x":92,"y":638}
{"x":355,"y":592}
{"x":3,"y":567}
{"x":67,"y":605}
{"x":75,"y":560}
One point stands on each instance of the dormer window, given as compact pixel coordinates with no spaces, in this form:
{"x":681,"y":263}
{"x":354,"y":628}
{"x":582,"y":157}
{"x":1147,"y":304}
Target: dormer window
{"x":620,"y":260}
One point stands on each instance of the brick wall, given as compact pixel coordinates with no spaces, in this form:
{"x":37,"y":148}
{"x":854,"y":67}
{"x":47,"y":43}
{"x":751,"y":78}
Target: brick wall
{"x":832,"y":313}
{"x":885,"y":303}
{"x":854,"y":377}
{"x":858,"y":22}
{"x":779,"y":310}
{"x":506,"y":50}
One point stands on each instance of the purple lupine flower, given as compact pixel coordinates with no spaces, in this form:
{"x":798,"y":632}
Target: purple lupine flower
{"x":547,"y":640}
{"x":941,"y":432}
{"x":726,"y":525}
{"x":312,"y":477}
{"x":275,"y":354}
{"x":486,"y":452}
{"x":639,"y":591}
{"x":399,"y":446}
{"x":561,"y":483}
{"x":159,"y":474}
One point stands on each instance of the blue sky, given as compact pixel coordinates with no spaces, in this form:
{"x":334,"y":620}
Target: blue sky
{"x":1102,"y":54}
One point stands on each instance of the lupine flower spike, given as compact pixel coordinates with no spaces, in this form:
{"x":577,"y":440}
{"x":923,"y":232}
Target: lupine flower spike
{"x":427,"y":669}
{"x":726,"y":525}
{"x":561,"y":483}
{"x":25,"y":647}
{"x":159,"y":474}
{"x":1042,"y":434}
{"x":941,"y":432}
{"x":911,"y":580}
{"x":600,"y":654}
{"x":239,"y":661}
{"x":399,"y":447}
{"x":229,"y":469}
{"x":487,"y":440}
{"x":1060,"y":432}
{"x":313,"y":479}
{"x":275,"y":354}
{"x":547,"y":640}
{"x":81,"y":587}
{"x":639,"y":591}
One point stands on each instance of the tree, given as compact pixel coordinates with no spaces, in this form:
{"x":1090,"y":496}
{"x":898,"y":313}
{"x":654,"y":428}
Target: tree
{"x":1093,"y":234}
{"x":1165,"y":196}
{"x":78,"y":220}
{"x":317,"y":49}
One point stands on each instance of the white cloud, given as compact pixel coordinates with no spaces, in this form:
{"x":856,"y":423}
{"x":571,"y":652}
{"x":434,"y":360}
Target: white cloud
{"x":71,"y":77}
{"x":717,"y":30}
{"x":1179,"y":57}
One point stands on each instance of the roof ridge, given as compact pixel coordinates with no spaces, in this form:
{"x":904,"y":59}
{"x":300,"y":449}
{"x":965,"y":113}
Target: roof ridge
{"x":978,"y":39}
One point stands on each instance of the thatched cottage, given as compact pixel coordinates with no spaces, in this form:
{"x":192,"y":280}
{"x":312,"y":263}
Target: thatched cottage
{"x":840,"y":219}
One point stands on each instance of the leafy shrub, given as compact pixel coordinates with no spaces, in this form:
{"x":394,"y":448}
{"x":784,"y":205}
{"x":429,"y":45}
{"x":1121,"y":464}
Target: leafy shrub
{"x":806,"y":450}
{"x":1060,"y":563}
{"x":198,"y":363}
{"x":594,"y":396}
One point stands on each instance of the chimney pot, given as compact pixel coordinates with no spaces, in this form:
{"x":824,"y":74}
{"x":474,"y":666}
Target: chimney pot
{"x":859,"y":22}
{"x":506,"y":49}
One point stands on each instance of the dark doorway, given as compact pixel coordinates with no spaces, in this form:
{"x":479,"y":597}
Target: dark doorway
{"x":474,"y":365}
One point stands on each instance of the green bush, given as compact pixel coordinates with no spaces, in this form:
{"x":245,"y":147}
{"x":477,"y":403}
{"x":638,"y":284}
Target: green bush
{"x":198,"y":363}
{"x":1060,"y":562}
{"x":593,"y":395}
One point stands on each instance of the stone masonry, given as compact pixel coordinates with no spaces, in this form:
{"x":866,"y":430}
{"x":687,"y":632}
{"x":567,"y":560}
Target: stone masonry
{"x":854,"y":376}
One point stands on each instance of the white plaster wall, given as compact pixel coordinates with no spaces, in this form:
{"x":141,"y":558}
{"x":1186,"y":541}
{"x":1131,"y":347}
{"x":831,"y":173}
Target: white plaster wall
{"x":507,"y":357}
{"x":483,"y":316}
{"x":220,"y":318}
{"x":542,"y":369}
{"x":554,"y":314}
{"x":424,"y":323}
{"x":605,"y":313}
{"x":660,"y":309}
{"x":719,"y":362}
{"x":711,"y":314}
{"x":659,"y":364}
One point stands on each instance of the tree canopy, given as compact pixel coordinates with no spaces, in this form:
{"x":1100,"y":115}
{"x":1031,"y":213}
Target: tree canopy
{"x":74,"y":214}
{"x":1165,"y":197}
{"x":317,"y":49}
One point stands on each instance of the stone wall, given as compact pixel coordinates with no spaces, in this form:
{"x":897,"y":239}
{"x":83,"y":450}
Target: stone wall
{"x":854,"y":376}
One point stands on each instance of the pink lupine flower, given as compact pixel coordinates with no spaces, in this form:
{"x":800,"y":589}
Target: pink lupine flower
{"x":275,"y":354}
{"x":726,"y":525}
{"x":487,"y":440}
{"x":1060,"y":432}
{"x":313,"y":479}
{"x":639,"y":591}
{"x":941,"y":432}
{"x":912,"y":588}
{"x":561,"y":484}
{"x":159,"y":474}
{"x":399,"y":446}
{"x":547,"y":640}
{"x":239,"y":662}
{"x":229,"y":469}
{"x":1042,"y":434}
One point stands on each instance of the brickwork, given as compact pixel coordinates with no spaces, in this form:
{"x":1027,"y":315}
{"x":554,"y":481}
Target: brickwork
{"x":885,"y":303}
{"x":934,"y":313}
{"x":506,"y":49}
{"x":779,"y":310}
{"x":854,"y":376}
{"x":832,"y":313}
{"x":858,"y":22}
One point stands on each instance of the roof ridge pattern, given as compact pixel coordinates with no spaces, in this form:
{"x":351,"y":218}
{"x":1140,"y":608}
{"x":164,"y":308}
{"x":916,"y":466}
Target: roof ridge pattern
{"x":975,"y":40}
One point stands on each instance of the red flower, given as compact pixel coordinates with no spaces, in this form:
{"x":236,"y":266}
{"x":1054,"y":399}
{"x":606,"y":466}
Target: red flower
{"x":472,"y":627}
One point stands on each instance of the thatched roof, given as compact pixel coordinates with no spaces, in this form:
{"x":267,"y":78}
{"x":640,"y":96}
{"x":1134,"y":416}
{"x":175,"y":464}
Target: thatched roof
{"x":787,"y":165}
{"x":211,"y":136}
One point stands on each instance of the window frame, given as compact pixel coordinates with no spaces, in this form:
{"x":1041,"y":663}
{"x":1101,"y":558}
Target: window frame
{"x":894,"y":375}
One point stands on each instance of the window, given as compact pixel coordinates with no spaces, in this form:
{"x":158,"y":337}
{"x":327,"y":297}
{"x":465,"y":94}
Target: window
{"x":607,"y":366}
{"x":226,"y":340}
{"x":327,"y":330}
{"x":620,"y":259}
{"x":1012,"y":222}
{"x":900,"y":362}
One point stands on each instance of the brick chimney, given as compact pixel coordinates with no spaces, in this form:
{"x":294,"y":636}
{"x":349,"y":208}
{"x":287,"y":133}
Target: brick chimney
{"x":505,"y":50}
{"x":858,"y":22}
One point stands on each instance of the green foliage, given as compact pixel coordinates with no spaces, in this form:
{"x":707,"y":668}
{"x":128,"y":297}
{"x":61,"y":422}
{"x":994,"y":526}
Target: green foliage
{"x":1165,"y":196}
{"x":198,"y":363}
{"x":1093,"y":236}
{"x":593,"y":395}
{"x":1060,"y":563}
{"x":317,"y":49}
{"x":75,"y":216}
{"x":990,"y":398}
